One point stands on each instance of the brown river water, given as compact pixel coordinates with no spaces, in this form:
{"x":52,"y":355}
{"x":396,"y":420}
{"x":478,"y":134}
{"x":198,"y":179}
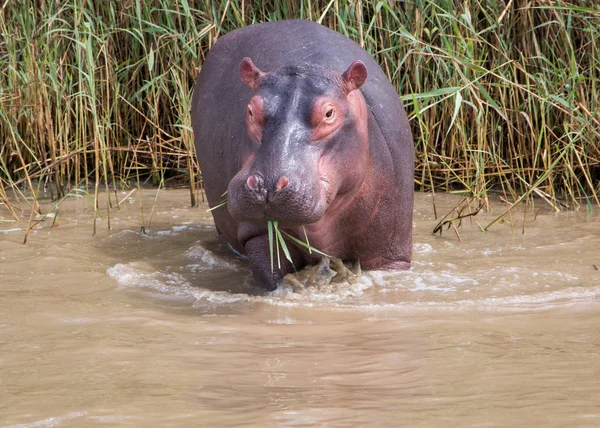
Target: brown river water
{"x":162,"y":329}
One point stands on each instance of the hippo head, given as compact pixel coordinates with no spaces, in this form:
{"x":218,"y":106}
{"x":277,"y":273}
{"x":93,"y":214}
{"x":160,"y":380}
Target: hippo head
{"x":308,"y":147}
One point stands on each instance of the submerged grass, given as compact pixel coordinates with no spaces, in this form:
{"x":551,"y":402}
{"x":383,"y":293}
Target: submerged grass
{"x":503,"y":96}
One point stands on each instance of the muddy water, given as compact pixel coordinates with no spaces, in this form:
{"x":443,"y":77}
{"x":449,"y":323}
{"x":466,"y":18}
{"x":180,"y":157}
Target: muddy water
{"x":162,"y":329}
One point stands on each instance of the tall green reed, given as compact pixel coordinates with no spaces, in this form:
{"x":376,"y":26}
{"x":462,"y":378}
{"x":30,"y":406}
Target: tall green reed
{"x":502,"y":96}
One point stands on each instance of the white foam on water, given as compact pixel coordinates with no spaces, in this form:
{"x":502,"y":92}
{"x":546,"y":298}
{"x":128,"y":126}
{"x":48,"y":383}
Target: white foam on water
{"x":207,"y":260}
{"x":147,"y":235}
{"x":173,"y":230}
{"x":51,"y":421}
{"x":333,"y":293}
{"x":419,"y":248}
{"x":136,"y":274}
{"x":14,"y":229}
{"x":568,"y":295}
{"x":430,"y":284}
{"x":140,"y":275}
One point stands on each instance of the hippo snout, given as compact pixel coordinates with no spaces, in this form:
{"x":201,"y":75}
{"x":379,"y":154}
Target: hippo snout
{"x":256,"y":198}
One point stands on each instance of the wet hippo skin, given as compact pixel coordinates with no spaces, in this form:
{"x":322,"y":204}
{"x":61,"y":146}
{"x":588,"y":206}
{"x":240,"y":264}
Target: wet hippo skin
{"x":296,"y":123}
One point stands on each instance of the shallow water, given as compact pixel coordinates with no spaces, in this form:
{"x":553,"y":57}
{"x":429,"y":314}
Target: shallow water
{"x":162,"y":329}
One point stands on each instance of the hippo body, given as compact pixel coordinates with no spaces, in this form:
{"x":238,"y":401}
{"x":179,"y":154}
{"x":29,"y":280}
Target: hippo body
{"x":295,"y":122}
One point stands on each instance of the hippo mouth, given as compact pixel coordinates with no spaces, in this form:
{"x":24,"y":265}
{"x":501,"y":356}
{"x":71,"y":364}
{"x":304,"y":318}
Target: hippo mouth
{"x":248,"y":231}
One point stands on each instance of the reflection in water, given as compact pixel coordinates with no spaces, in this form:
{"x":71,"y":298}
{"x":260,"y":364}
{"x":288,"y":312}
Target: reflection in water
{"x":165,"y":328}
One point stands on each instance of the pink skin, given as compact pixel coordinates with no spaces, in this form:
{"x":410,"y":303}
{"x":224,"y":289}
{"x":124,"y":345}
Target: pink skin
{"x":361,"y":190}
{"x":341,"y":187}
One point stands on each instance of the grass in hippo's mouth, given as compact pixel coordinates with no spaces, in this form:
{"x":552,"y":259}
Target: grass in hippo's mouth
{"x":220,"y":204}
{"x":277,"y":244}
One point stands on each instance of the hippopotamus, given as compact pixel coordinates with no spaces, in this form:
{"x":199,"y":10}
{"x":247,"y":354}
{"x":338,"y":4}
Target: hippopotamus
{"x":296,"y":123}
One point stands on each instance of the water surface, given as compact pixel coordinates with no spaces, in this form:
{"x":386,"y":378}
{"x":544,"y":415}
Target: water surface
{"x":163,"y":328}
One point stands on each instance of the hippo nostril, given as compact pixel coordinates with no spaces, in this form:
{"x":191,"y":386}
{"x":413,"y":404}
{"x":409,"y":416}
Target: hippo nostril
{"x":251,"y":182}
{"x":281,"y":184}
{"x":254,"y":182}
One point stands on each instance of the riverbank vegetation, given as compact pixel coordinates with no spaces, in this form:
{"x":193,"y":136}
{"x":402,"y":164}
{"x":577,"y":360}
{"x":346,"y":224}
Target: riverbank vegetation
{"x":503,"y":95}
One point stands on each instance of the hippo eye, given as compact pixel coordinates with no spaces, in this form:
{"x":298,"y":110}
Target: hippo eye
{"x":249,"y":111}
{"x":329,"y":113}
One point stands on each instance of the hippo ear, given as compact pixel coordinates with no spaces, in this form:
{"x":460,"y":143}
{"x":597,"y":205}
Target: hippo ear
{"x":249,"y":73}
{"x":355,"y":76}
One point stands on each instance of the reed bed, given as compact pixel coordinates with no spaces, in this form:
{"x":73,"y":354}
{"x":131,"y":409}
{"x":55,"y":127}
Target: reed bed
{"x":503,"y":96}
